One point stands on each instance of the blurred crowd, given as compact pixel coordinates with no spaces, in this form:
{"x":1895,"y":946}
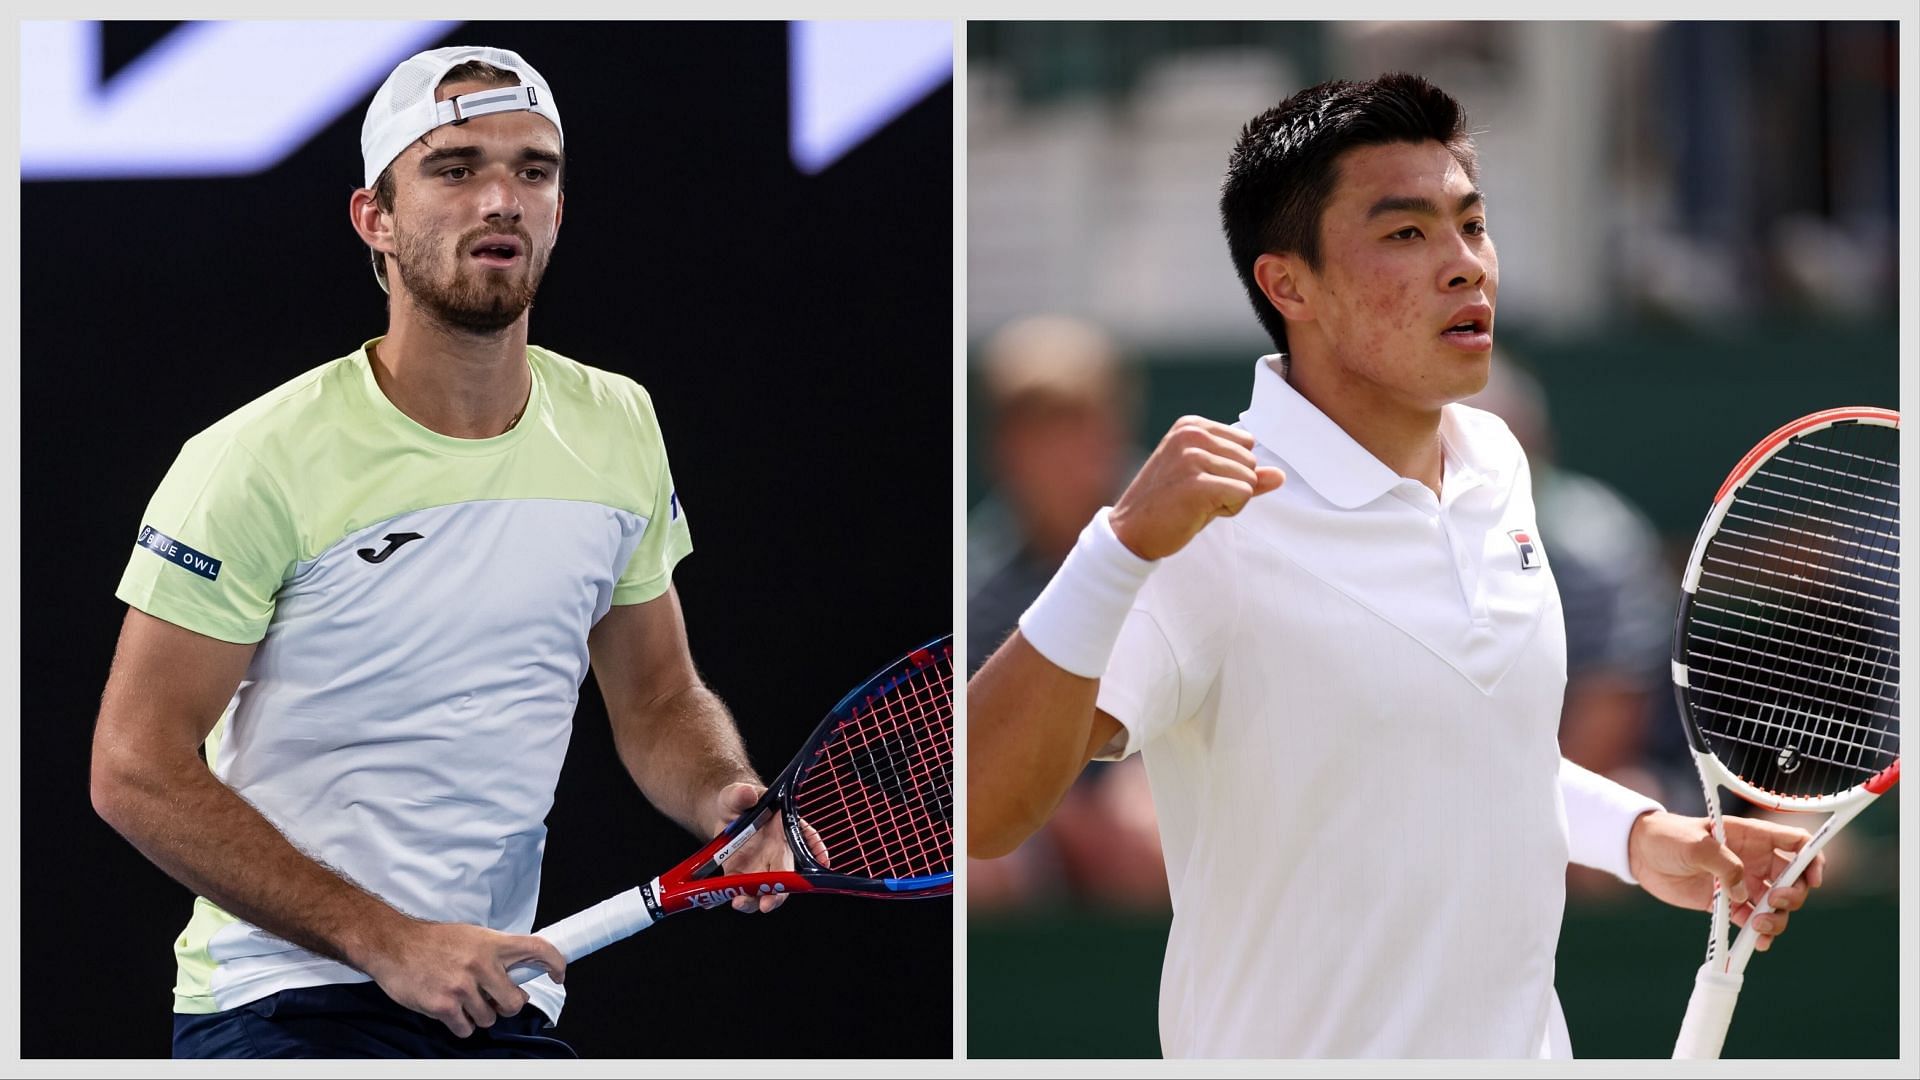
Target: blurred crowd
{"x":1062,"y":413}
{"x":1686,"y":171}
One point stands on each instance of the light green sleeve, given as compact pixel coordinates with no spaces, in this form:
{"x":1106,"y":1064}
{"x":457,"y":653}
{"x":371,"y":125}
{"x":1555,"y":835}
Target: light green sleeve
{"x":666,"y":540}
{"x":216,"y":544}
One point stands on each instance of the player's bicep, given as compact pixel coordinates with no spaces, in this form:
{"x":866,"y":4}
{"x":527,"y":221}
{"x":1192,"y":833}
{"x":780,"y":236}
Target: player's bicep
{"x":640,"y":653}
{"x":167,"y":688}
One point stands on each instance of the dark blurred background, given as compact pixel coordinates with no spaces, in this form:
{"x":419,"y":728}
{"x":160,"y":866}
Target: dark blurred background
{"x":795,"y":330}
{"x":1696,"y":224}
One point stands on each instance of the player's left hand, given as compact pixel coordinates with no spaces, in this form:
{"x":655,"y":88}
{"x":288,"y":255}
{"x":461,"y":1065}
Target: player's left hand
{"x":766,"y":850}
{"x":1677,"y":859}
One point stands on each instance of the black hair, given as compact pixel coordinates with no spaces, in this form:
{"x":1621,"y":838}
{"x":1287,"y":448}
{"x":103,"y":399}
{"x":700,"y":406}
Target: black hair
{"x":1286,"y":163}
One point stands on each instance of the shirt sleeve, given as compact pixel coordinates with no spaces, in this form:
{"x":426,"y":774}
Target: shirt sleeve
{"x":1600,"y":816}
{"x":217,"y":542}
{"x":1170,"y":648}
{"x":665,"y":540}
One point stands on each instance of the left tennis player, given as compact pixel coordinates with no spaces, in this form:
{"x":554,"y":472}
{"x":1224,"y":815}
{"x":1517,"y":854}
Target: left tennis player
{"x":1332,"y":630}
{"x":369,"y":598}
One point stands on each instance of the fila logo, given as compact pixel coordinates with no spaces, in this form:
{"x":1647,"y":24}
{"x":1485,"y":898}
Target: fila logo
{"x":394,"y":542}
{"x":1530,"y":557}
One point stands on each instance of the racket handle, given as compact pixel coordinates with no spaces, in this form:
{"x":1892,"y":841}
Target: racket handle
{"x":1709,"y":1012}
{"x":591,"y":930}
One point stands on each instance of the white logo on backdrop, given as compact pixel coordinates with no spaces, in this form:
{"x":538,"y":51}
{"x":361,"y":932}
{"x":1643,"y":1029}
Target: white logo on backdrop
{"x":209,"y":99}
{"x":848,"y":79}
{"x":236,"y":98}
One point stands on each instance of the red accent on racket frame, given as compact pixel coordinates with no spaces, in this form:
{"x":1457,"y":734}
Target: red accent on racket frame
{"x":1772,"y":442}
{"x":1884,"y":779}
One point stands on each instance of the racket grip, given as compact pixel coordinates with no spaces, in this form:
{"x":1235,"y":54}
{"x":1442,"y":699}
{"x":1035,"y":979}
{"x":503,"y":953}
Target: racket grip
{"x":591,"y":930}
{"x":1709,"y":1012}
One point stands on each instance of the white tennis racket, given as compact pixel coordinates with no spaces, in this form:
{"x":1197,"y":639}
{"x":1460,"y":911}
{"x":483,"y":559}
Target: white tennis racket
{"x":1786,"y":653}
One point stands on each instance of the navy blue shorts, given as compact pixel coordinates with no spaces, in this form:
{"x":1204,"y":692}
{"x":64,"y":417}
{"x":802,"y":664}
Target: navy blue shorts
{"x":352,"y":1020}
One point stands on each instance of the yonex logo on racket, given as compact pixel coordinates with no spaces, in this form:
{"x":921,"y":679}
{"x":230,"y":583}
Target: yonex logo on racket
{"x":1530,"y":557}
{"x":715,"y":898}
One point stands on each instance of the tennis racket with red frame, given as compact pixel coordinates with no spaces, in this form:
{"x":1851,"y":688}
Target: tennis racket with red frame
{"x":874,"y":784}
{"x":1786,"y":653}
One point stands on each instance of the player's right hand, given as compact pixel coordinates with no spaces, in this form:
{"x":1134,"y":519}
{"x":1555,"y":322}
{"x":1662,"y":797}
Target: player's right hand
{"x":457,"y":973}
{"x":766,"y":850}
{"x":1203,"y":469}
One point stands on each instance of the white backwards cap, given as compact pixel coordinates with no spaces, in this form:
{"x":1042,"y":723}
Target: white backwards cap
{"x":404,"y":108}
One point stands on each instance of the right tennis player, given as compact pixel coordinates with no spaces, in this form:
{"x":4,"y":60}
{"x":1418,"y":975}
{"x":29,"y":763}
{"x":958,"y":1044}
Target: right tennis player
{"x":1333,"y":632}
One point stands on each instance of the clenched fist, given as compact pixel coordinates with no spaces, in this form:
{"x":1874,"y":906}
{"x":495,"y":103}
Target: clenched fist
{"x":1203,"y":469}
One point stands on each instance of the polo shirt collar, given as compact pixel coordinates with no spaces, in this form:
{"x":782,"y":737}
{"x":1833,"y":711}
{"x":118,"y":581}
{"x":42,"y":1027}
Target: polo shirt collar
{"x":1337,"y":468}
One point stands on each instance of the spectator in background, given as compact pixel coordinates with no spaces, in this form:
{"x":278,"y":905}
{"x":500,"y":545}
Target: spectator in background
{"x":1061,"y":414}
{"x":1618,"y":594}
{"x":1061,"y":419}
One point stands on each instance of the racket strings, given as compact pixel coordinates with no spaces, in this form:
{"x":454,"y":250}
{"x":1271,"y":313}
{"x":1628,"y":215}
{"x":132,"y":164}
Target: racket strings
{"x":880,"y":791}
{"x":1852,"y":472}
{"x":1817,"y":520}
{"x":1791,"y":583}
{"x":1811,"y":679}
{"x":1864,"y":471}
{"x":897,"y":774}
{"x":1844,"y":615}
{"x":891,"y":775}
{"x":1793,"y":639}
{"x":1824,"y":539}
{"x":1891,"y":525}
{"x":1788,"y":730}
{"x":1804,"y":646}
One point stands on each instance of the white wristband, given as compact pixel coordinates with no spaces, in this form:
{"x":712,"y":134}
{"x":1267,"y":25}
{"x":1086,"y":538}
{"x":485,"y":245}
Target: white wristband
{"x":1600,"y":817}
{"x":1077,"y":618}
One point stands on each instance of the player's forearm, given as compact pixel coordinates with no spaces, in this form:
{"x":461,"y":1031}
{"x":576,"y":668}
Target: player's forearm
{"x":1028,"y":726}
{"x":1601,"y":815}
{"x":681,"y":749}
{"x":180,"y":816}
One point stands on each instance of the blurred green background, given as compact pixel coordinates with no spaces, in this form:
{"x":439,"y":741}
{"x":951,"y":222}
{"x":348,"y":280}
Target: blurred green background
{"x":1072,"y":982}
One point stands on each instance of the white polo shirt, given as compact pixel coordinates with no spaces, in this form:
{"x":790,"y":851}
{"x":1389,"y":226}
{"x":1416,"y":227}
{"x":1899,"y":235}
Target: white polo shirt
{"x":1348,"y":697}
